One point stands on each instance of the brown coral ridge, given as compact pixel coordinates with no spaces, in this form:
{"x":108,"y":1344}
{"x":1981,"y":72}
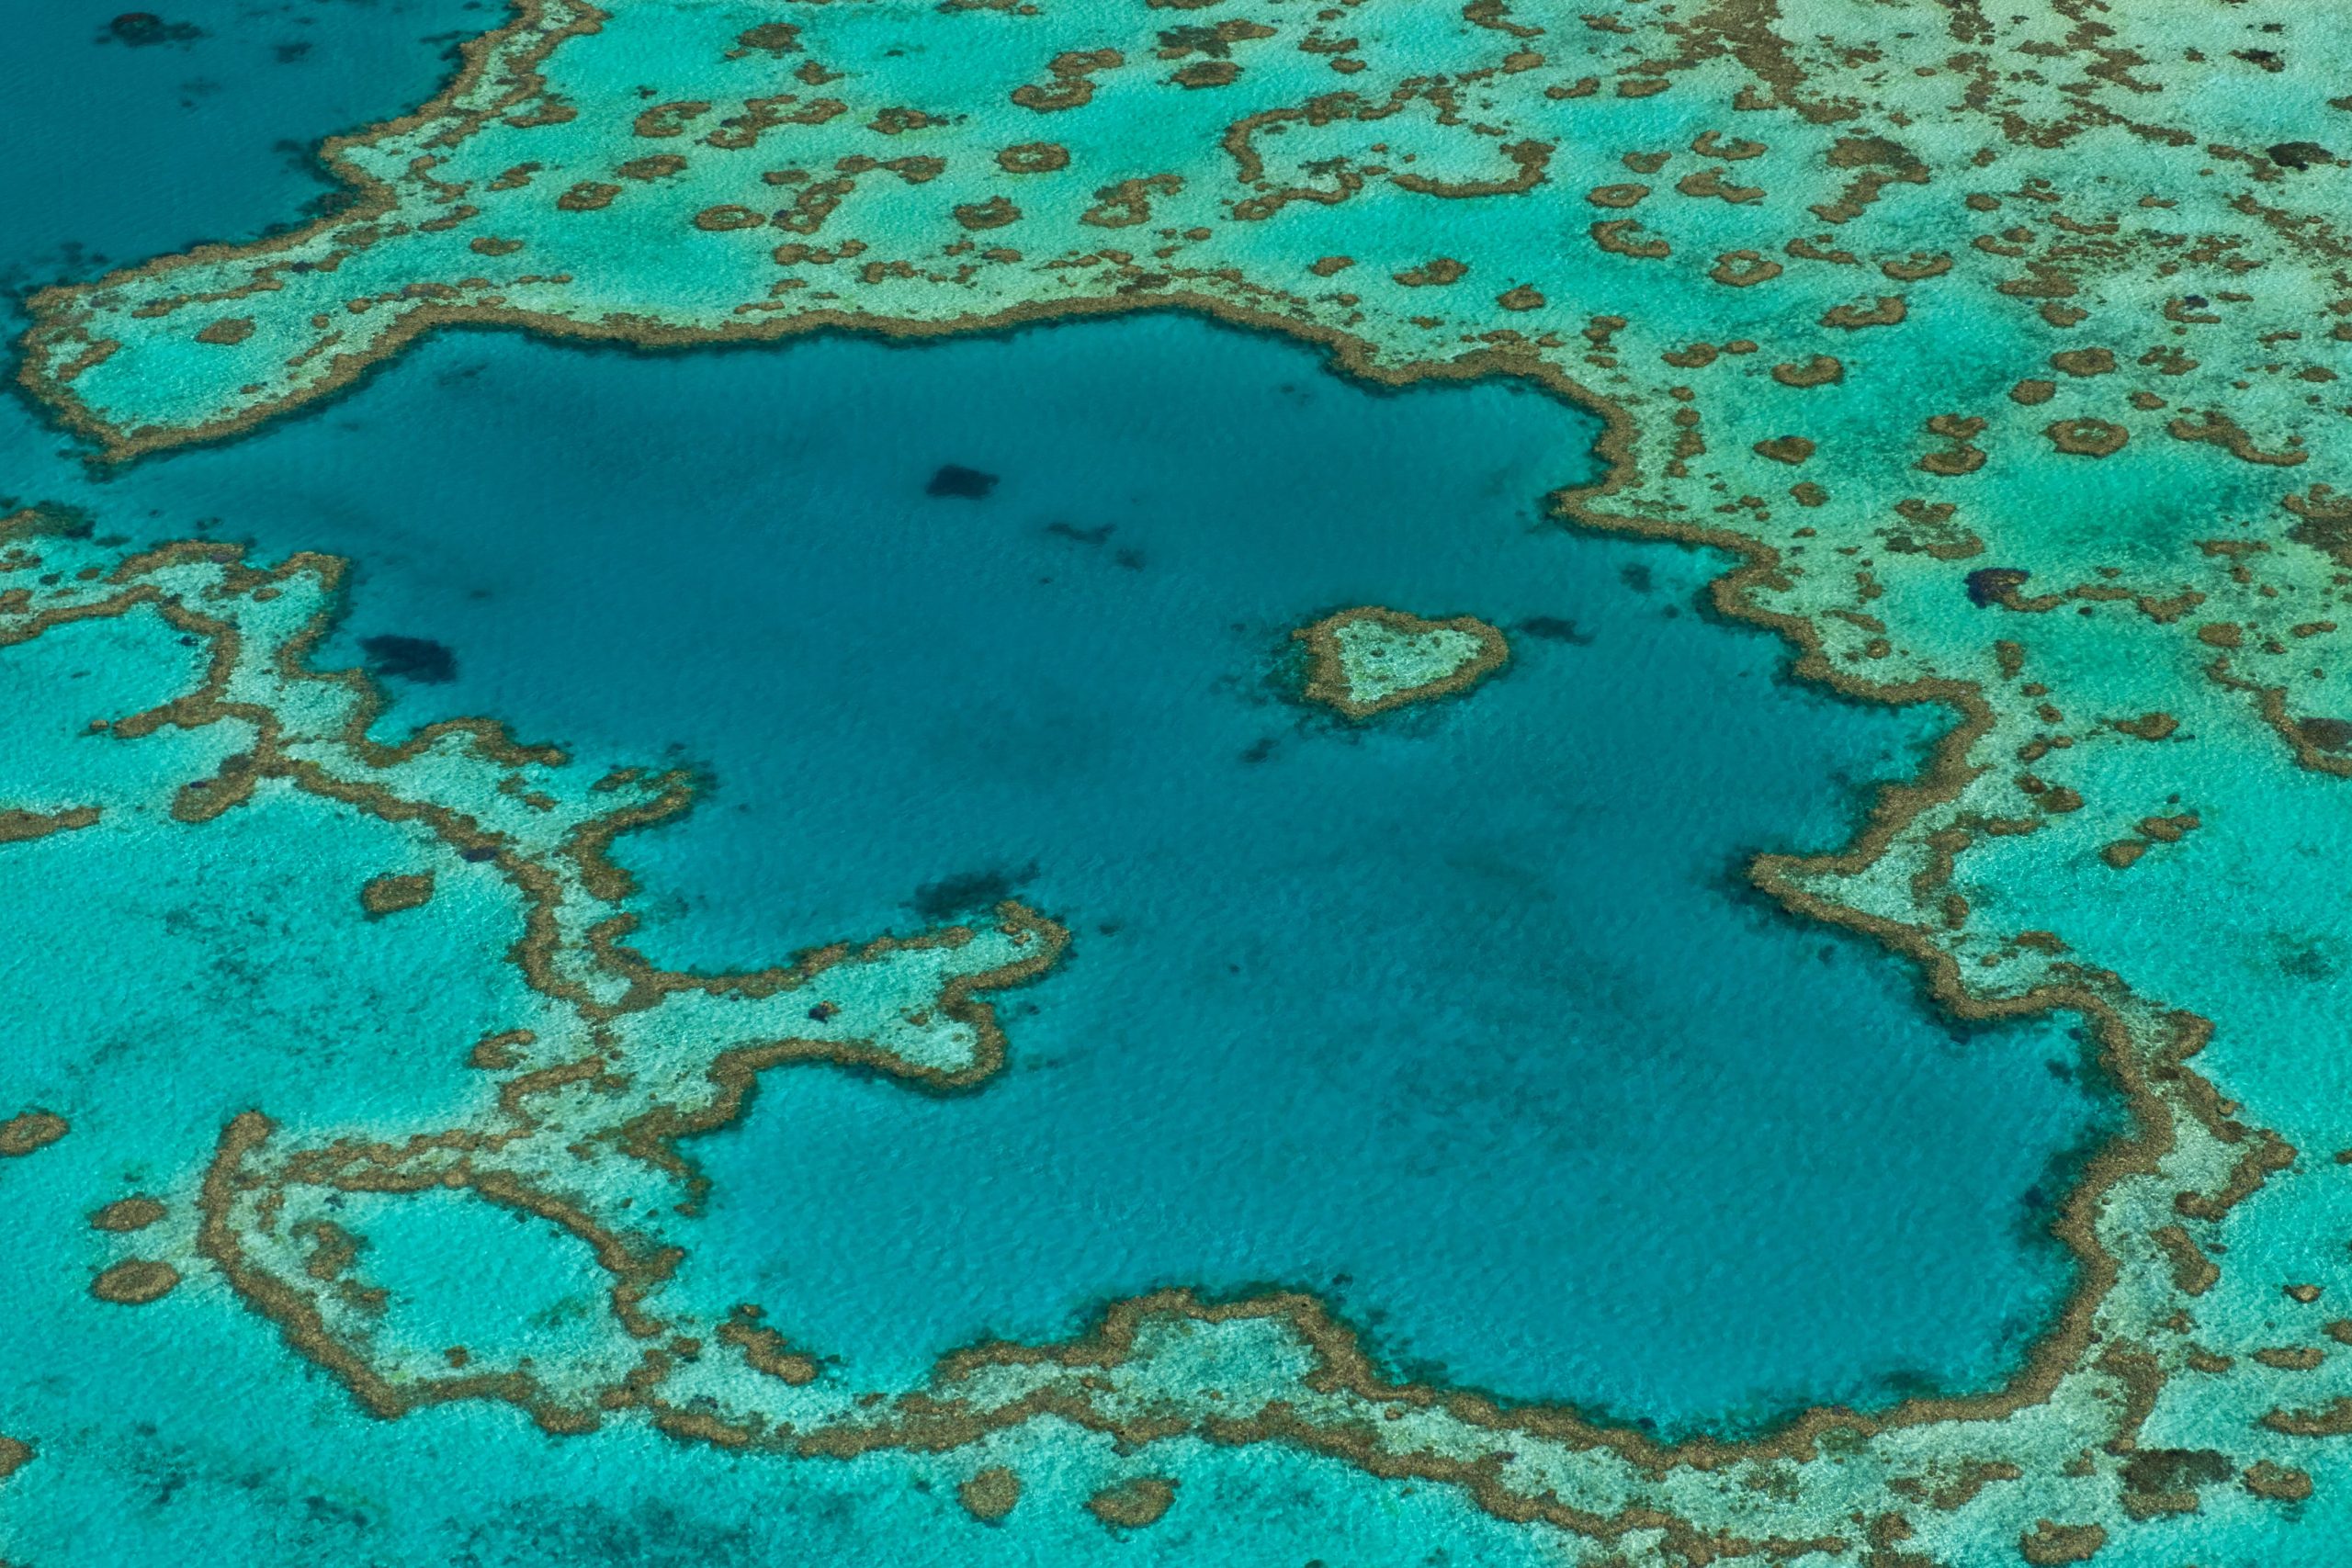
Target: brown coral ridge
{"x":735,"y":1074}
{"x":636,"y":1267}
{"x":634,"y":1271}
{"x":304,"y":1327}
{"x":266,"y":758}
{"x":1344,"y":1365}
{"x":953,"y":1417}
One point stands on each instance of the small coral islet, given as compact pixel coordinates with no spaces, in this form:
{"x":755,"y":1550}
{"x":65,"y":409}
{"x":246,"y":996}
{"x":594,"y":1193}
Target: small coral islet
{"x":1369,"y":659}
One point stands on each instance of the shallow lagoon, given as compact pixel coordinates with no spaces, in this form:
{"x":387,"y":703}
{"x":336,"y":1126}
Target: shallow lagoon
{"x":1465,"y":1017}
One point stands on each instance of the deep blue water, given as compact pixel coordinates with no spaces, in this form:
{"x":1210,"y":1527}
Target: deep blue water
{"x":119,"y":151}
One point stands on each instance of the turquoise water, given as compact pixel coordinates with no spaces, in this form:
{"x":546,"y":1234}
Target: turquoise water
{"x":1464,"y":1020}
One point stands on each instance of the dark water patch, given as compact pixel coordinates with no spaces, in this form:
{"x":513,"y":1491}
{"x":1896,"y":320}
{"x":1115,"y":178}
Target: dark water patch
{"x":2299,"y":155}
{"x":1554,"y":629}
{"x":970,"y":892}
{"x":416,"y":658}
{"x":2175,"y":1469}
{"x":954,"y":480}
{"x":142,"y":29}
{"x":1987,"y":585}
{"x":2300,"y":955}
